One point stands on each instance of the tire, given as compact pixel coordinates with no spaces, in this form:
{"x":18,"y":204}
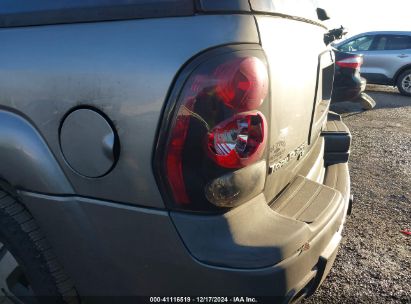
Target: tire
{"x":29,"y":271}
{"x":404,"y":83}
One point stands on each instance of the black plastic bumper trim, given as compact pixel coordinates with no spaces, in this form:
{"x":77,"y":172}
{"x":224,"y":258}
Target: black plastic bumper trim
{"x":337,"y":139}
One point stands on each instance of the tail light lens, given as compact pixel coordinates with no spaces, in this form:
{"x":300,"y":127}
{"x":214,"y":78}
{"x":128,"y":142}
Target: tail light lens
{"x":218,"y":129}
{"x":353,"y":62}
{"x":238,"y":141}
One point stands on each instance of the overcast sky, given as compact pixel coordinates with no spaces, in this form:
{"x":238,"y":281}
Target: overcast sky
{"x":369,"y":15}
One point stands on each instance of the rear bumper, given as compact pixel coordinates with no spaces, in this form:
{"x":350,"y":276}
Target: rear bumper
{"x":346,"y":94}
{"x":290,"y":243}
{"x":348,"y":88}
{"x":323,"y":246}
{"x":110,"y":249}
{"x":298,"y":274}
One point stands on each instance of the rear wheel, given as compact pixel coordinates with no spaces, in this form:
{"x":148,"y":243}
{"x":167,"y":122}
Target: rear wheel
{"x":13,"y":282}
{"x":29,"y":271}
{"x":404,"y":83}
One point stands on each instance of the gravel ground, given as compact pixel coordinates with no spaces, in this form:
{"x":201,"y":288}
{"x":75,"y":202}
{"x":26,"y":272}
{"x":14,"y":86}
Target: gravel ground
{"x":374,"y":260}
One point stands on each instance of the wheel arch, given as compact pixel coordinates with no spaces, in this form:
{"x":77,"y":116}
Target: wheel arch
{"x":26,"y":160}
{"x":400,"y":71}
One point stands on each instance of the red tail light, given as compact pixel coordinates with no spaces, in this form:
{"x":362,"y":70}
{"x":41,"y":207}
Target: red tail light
{"x":242,"y":83}
{"x":219,"y":126}
{"x":238,"y":141}
{"x":353,"y":62}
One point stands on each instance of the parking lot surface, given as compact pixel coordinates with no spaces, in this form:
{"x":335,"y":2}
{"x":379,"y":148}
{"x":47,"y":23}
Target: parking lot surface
{"x":374,"y":261}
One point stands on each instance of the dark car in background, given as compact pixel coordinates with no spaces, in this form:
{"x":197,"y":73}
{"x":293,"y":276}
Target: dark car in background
{"x":387,"y":57}
{"x":348,"y":83}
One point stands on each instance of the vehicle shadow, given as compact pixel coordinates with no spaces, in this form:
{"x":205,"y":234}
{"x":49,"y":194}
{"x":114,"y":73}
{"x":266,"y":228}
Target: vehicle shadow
{"x":347,"y":107}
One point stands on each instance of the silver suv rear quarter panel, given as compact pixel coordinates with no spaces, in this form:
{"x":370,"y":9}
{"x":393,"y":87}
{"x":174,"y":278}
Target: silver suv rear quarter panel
{"x":293,"y":71}
{"x":123,"y":68}
{"x":110,"y":66}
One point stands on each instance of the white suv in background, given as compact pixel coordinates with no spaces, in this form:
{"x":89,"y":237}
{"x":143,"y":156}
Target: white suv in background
{"x":387,"y":57}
